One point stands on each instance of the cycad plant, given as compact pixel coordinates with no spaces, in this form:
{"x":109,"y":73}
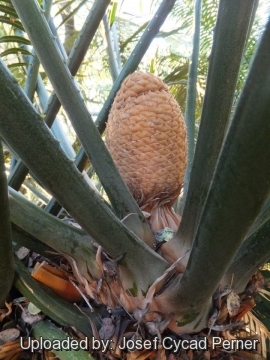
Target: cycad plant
{"x":135,"y":282}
